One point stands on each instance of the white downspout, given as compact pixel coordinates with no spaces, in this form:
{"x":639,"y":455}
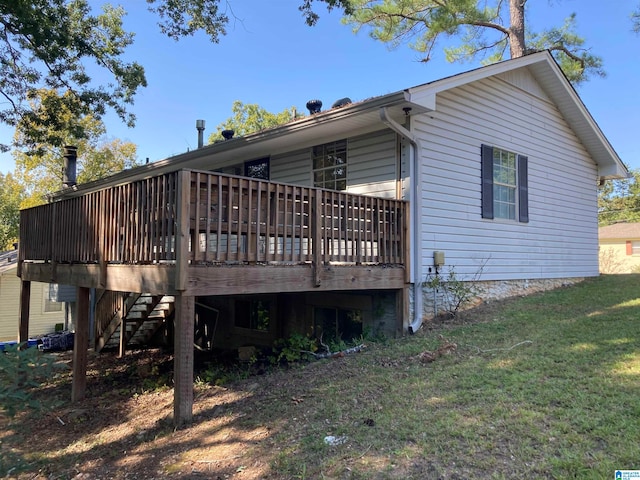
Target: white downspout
{"x":415,"y":175}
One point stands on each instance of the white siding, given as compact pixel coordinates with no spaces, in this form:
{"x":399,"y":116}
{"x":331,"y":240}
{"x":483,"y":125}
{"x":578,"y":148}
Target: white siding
{"x":561,"y":238}
{"x":371,"y":165}
{"x":293,"y":167}
{"x":39,"y":321}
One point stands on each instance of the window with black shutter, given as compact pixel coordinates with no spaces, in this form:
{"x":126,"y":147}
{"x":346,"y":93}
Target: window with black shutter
{"x":505,"y":189}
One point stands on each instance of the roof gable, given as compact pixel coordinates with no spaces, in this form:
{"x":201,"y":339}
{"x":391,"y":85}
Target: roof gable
{"x":558,"y":89}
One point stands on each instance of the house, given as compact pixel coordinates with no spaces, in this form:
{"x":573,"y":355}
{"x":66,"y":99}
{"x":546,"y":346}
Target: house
{"x":492,"y":172}
{"x":620,"y":248}
{"x":45,"y":312}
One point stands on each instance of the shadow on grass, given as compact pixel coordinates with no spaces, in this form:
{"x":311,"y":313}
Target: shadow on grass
{"x":539,"y":387}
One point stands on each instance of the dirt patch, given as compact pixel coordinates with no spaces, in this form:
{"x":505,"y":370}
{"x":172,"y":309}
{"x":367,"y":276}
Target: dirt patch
{"x":241,"y":430}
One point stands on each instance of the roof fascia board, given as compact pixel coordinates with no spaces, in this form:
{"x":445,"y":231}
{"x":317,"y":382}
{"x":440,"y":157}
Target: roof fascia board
{"x":615,"y":170}
{"x":477,"y":74}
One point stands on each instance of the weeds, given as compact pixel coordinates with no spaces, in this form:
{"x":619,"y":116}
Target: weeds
{"x":22,"y":370}
{"x":457,"y":293}
{"x":538,"y":387}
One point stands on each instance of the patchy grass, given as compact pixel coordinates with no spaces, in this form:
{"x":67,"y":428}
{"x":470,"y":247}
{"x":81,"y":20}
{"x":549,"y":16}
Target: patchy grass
{"x":544,"y":386}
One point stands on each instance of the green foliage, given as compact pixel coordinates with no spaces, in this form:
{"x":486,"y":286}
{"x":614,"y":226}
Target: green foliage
{"x":296,"y":348}
{"x":220,"y":374}
{"x":484,"y":29}
{"x":457,"y":293}
{"x":249,"y":118}
{"x":635,"y":19}
{"x":312,"y":17}
{"x":21,"y":372}
{"x":39,"y":168}
{"x":53,"y":43}
{"x":11,"y":195}
{"x":569,"y":51}
{"x":619,"y":200}
{"x":61,"y":44}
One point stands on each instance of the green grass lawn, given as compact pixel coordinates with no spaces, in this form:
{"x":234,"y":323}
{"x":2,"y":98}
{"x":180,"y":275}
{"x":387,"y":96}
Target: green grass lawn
{"x":545,"y":387}
{"x":539,"y":387}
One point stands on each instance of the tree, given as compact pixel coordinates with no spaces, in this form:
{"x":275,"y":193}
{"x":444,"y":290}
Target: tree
{"x":480,"y":27}
{"x":619,"y":200}
{"x":40,"y":169}
{"x":56,"y":44}
{"x":635,"y":19}
{"x":250,"y":118}
{"x":11,"y":196}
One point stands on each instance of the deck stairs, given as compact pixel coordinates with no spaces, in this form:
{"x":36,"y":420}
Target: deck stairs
{"x":142,"y":314}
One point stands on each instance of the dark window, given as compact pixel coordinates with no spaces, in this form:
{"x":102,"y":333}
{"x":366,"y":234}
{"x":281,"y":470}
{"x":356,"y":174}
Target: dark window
{"x":330,"y":165}
{"x":257,"y":169}
{"x":504,"y":185}
{"x":253,"y":314}
{"x":254,"y":169}
{"x":335,"y":324}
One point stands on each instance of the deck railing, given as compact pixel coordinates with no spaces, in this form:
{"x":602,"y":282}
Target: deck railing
{"x":215,"y":218}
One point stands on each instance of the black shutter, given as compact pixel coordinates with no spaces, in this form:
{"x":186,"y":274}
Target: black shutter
{"x":487,"y":181}
{"x":523,"y":190}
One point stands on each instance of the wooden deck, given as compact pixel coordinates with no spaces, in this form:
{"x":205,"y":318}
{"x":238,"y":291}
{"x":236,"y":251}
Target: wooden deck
{"x":191,"y":233}
{"x":202,"y":233}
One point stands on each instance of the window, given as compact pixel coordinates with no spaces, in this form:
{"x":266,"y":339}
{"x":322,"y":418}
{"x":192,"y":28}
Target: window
{"x":335,"y":324}
{"x":253,"y":314}
{"x":257,"y":169}
{"x":254,"y":169}
{"x":330,"y":165}
{"x":633,"y":247}
{"x":50,"y":305}
{"x":504,"y":185}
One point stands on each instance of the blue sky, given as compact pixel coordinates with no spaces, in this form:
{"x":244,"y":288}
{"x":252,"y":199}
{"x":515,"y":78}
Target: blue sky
{"x":270,"y":57}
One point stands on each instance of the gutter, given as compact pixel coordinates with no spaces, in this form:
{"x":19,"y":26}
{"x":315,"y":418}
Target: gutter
{"x":415,"y":174}
{"x":183,"y":160}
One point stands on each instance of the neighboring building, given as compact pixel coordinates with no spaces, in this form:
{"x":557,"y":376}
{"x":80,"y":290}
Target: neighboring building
{"x":620,"y":248}
{"x":334,"y":225}
{"x":44,"y":312}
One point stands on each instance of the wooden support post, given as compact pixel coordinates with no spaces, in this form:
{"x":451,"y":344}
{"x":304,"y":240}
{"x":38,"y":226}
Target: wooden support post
{"x":183,"y":360}
{"x":25,"y":299}
{"x":80,"y":345}
{"x":122,"y":345}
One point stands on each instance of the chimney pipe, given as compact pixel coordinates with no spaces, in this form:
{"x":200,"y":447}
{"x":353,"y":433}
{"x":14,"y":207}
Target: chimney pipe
{"x":69,"y":169}
{"x":200,"y":128}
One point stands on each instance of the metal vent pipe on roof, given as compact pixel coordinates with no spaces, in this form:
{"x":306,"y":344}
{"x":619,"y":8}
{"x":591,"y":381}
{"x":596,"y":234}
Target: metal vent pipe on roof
{"x":200,"y":128}
{"x":69,"y":170}
{"x":314,"y":106}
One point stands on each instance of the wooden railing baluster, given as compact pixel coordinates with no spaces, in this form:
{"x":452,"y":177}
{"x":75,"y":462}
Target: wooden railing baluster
{"x":231,"y":219}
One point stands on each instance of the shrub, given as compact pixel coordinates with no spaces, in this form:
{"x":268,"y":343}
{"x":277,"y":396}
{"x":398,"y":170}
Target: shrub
{"x":22,"y":371}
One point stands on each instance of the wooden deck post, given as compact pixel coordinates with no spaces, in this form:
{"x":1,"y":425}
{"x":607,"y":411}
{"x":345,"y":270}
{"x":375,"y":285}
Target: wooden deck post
{"x":25,"y":299}
{"x":183,"y":360}
{"x":80,"y":345}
